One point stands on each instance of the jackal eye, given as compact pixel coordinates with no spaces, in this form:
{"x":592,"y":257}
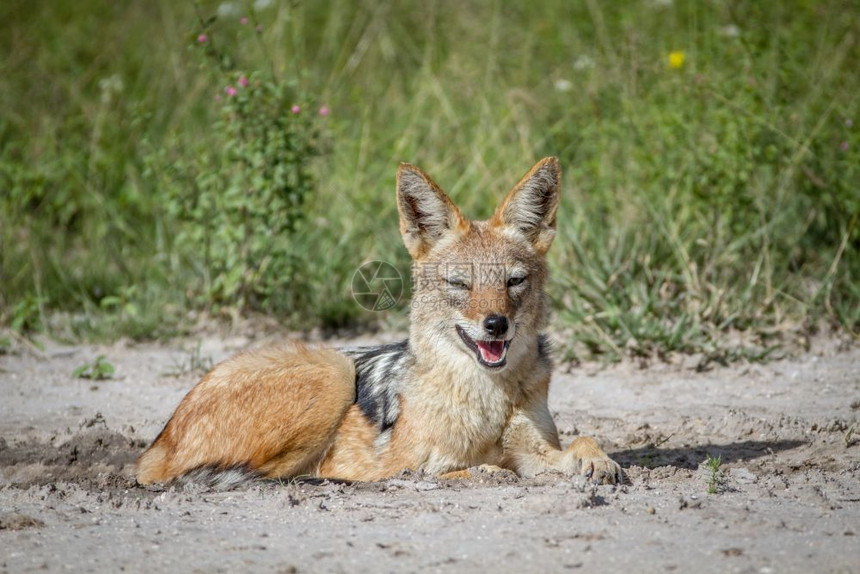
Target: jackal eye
{"x":514,"y":281}
{"x":457,"y":283}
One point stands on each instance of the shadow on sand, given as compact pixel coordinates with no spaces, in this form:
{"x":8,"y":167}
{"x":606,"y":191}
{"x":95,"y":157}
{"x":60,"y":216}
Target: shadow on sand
{"x":690,"y":457}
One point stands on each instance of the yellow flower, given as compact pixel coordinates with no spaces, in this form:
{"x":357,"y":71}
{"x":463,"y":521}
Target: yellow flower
{"x":676,"y":59}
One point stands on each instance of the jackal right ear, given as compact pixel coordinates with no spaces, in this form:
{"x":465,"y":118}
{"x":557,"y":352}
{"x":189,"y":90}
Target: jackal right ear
{"x":426,"y":213}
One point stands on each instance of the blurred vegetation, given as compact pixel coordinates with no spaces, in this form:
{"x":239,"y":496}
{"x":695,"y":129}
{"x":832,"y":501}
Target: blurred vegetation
{"x":148,"y":173}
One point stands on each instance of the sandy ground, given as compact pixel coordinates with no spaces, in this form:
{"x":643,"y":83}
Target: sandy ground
{"x":787,"y":498}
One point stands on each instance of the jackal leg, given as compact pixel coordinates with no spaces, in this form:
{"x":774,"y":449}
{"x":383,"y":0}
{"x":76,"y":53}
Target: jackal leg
{"x":531,"y":446}
{"x":467,"y":473}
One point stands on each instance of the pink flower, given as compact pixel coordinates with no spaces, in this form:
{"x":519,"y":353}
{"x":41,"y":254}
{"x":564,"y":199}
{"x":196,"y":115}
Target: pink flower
{"x":202,"y":38}
{"x":844,"y":146}
{"x":230,"y":91}
{"x":243,"y":21}
{"x":243,"y":81}
{"x":324,"y":111}
{"x":295,"y":109}
{"x":259,"y":29}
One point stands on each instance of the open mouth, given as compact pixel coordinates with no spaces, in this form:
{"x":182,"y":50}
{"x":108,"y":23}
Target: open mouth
{"x":491,"y":354}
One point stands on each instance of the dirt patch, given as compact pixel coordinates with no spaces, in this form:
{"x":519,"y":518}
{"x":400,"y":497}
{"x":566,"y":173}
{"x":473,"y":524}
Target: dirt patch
{"x":785,"y":495}
{"x":89,"y":455}
{"x":16,"y":521}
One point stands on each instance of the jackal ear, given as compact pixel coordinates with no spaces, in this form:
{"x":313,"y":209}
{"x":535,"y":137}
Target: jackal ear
{"x":531,"y":205}
{"x":426,"y":213}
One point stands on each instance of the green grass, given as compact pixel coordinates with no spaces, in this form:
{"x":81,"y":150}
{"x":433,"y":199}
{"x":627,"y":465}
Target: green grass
{"x":714,"y":476}
{"x":194,"y":363}
{"x":99,"y":370}
{"x":707,"y":208}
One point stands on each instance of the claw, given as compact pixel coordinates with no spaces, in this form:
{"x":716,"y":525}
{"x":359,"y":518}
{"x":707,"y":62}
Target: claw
{"x":601,"y":470}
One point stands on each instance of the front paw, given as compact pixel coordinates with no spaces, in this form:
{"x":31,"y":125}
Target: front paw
{"x":591,"y":462}
{"x":601,"y":470}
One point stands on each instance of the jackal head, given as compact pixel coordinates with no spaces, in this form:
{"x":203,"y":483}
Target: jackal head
{"x":479,"y":285}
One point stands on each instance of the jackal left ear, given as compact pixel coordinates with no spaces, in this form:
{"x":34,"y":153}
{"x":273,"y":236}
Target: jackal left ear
{"x":531,"y":205}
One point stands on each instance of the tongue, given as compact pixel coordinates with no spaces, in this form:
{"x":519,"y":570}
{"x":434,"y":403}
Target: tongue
{"x":491,"y":351}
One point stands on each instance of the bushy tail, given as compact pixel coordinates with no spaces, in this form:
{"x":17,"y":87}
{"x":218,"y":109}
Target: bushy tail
{"x":218,"y":478}
{"x":271,"y":412}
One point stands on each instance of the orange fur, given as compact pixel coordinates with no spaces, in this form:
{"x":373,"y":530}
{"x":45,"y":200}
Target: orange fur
{"x":434,"y":404}
{"x":275,"y":410}
{"x":352,"y":456}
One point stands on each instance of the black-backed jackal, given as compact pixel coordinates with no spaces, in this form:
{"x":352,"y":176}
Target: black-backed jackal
{"x":468,"y":387}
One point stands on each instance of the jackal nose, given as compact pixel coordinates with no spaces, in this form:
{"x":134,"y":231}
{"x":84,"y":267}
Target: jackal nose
{"x":496,"y":325}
